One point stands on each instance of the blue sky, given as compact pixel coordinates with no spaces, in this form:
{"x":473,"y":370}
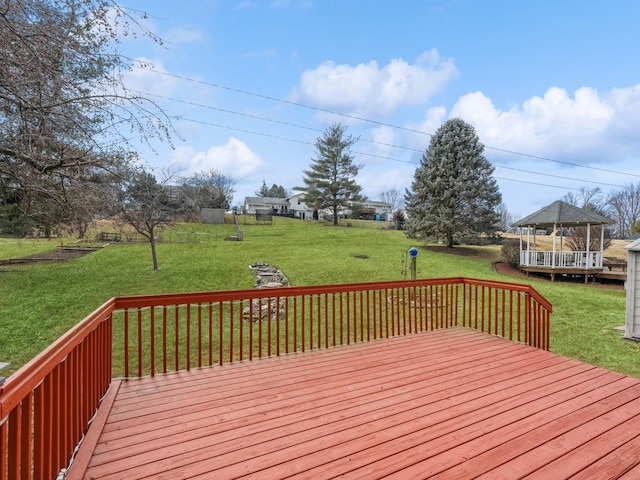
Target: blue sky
{"x":552,"y":88}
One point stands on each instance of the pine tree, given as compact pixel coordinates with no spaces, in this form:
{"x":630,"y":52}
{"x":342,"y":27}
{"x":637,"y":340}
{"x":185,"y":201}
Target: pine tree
{"x":453,"y":191}
{"x":330,"y":181}
{"x":275,"y":191}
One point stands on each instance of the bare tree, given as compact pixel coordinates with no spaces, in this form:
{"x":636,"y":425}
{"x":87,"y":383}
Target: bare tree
{"x":208,"y":189}
{"x":591,"y":199}
{"x":393,"y":197}
{"x":577,"y":238}
{"x":588,"y":198}
{"x":146,"y":204}
{"x":625,"y":205}
{"x":64,"y":107}
{"x":506,"y":218}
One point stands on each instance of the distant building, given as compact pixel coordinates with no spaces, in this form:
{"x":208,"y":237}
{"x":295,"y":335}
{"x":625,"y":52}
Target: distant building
{"x":295,"y":207}
{"x":277,"y":206}
{"x":373,"y":210}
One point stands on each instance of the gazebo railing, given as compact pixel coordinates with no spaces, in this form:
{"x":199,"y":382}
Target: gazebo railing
{"x":551,"y":259}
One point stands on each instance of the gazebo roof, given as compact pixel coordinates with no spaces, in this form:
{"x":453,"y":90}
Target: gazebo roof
{"x":563,"y":213}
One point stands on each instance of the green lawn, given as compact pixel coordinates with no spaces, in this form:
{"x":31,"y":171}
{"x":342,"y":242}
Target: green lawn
{"x":41,"y":301}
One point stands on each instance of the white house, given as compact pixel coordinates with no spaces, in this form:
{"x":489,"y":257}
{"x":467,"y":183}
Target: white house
{"x":299,"y":208}
{"x":375,"y":210}
{"x":294,"y":206}
{"x":272,"y":204}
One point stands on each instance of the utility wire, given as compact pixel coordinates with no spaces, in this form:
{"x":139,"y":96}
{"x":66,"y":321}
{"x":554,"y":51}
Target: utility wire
{"x":363,"y":119}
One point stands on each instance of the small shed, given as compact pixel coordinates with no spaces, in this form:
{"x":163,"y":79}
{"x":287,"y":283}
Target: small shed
{"x":555,"y":218}
{"x":632,"y":328}
{"x":212,"y":216}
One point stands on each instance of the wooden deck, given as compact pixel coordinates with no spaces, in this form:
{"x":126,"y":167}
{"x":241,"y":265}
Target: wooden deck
{"x":451,"y":403}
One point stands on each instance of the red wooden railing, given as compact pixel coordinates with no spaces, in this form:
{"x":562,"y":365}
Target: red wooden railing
{"x":47,"y":406}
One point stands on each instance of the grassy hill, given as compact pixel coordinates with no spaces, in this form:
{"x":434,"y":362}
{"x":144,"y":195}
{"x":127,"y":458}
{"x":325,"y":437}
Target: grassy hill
{"x":41,"y":301}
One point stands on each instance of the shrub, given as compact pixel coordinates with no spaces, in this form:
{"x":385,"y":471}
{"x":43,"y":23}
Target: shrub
{"x":511,"y":252}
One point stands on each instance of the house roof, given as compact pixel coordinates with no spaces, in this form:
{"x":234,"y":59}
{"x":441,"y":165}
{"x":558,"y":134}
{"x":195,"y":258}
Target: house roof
{"x":634,"y":247}
{"x":265,"y":201}
{"x":374,"y":203}
{"x":564,"y":213}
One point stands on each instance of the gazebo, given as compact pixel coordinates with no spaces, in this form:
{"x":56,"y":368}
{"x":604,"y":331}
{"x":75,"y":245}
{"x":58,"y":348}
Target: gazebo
{"x":556,"y":217}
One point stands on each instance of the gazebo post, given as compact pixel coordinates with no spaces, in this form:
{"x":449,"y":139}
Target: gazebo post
{"x":528,"y":263}
{"x":588,"y":259}
{"x":553,"y":247}
{"x":562,"y":262}
{"x":601,"y":247}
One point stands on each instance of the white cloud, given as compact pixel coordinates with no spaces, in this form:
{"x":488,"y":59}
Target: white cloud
{"x":234,"y":159}
{"x":584,"y":126}
{"x":374,"y":182}
{"x":368,"y":89}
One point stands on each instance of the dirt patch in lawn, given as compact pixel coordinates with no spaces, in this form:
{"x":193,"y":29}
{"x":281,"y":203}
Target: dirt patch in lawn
{"x":60,"y":254}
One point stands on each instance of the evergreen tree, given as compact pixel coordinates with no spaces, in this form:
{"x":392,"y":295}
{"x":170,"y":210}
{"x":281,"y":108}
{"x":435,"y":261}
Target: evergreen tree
{"x":453,"y":191}
{"x":330,"y":181}
{"x":275,"y":191}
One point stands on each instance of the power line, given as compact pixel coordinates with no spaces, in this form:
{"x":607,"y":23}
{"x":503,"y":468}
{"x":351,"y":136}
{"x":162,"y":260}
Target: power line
{"x":537,"y":157}
{"x":278,"y":137}
{"x":368,"y":120}
{"x":559,"y":176}
{"x":537,"y":183}
{"x":297,"y":104}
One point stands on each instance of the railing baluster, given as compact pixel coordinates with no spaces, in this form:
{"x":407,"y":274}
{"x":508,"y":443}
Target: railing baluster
{"x":304,"y":320}
{"x":295,"y":323}
{"x":176,"y":344}
{"x":319,"y":316}
{"x":334,"y":325}
{"x":279,"y":319}
{"x":15,"y":443}
{"x":4,"y":449}
{"x":164,"y":339}
{"x":140,"y":339}
{"x":188,"y":337}
{"x":259,"y":322}
{"x":221,"y":332}
{"x":341,"y":296}
{"x":152,"y":341}
{"x":384,"y":307}
{"x":286,"y":324}
{"x":240,"y":333}
{"x":199,"y":335}
{"x":268,"y":327}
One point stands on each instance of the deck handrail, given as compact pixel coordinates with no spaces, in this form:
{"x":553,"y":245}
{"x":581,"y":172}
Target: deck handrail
{"x":47,"y":405}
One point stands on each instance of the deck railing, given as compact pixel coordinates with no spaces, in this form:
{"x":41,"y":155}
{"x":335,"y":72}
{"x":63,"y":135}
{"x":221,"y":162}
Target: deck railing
{"x":47,"y":406}
{"x":551,"y":259}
